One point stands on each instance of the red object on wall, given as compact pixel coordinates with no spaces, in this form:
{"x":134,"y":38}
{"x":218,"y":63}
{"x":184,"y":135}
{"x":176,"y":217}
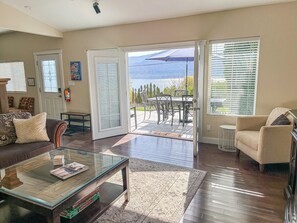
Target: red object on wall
{"x":67,"y":94}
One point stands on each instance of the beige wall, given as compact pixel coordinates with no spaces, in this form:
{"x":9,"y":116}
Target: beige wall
{"x":276,"y":25}
{"x":21,"y":46}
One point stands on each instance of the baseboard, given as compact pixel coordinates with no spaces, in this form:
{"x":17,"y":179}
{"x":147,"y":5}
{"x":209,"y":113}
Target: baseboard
{"x":209,"y":140}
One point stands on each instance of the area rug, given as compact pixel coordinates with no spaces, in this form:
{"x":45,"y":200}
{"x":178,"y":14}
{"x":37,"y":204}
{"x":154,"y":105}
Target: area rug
{"x":159,"y":193}
{"x":168,"y":134}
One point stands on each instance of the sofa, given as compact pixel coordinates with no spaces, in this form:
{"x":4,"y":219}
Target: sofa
{"x":13,"y":153}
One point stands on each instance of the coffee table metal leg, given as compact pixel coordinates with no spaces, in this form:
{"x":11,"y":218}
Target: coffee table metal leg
{"x":53,"y":218}
{"x":125,"y":174}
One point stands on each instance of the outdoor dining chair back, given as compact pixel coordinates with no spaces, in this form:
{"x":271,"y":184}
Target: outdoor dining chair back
{"x":165,"y":107}
{"x":179,"y":93}
{"x":187,"y":103}
{"x":147,"y":105}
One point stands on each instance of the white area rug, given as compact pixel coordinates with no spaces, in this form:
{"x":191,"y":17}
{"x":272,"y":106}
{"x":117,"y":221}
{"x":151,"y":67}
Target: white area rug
{"x":159,"y":193}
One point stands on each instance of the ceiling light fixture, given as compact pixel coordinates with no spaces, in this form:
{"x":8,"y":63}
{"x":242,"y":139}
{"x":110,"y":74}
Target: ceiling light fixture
{"x":96,"y":7}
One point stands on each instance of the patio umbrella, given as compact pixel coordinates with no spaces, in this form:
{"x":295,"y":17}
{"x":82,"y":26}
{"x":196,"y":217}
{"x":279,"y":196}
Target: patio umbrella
{"x":185,"y":54}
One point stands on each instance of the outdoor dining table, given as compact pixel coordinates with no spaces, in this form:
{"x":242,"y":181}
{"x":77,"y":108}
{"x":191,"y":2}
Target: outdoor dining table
{"x":214,"y":103}
{"x":177,"y":101}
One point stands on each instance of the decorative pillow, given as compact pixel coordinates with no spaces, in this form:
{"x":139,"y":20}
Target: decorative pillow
{"x":7,"y":130}
{"x":10,"y":101}
{"x":281,"y":120}
{"x":275,"y":113}
{"x":32,"y":129}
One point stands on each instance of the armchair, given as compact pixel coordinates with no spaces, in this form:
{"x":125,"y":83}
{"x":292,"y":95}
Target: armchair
{"x":26,"y":104}
{"x":263,"y":142}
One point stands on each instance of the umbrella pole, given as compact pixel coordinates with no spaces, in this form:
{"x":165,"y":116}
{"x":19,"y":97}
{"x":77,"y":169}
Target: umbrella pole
{"x":187,"y":75}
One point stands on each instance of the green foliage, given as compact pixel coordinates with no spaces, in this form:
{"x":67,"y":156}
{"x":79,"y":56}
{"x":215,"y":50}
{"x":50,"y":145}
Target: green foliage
{"x":152,"y":90}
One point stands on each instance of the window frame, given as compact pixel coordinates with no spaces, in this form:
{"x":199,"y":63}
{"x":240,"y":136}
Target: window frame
{"x":210,"y":42}
{"x":26,"y":85}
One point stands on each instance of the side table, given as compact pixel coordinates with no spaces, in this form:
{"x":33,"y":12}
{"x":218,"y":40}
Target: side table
{"x":226,"y":138}
{"x":77,"y":117}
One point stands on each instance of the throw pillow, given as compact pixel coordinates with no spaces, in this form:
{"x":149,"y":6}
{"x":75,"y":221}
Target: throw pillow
{"x":275,"y":113}
{"x":7,"y":130}
{"x":281,"y":120}
{"x":32,"y":129}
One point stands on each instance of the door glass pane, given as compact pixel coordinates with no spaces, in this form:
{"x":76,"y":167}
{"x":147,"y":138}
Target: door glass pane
{"x":109,"y":98}
{"x":49,"y":76}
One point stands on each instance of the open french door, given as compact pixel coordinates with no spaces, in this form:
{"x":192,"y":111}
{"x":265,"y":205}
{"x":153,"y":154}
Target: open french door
{"x":108,"y":93}
{"x":199,"y":60}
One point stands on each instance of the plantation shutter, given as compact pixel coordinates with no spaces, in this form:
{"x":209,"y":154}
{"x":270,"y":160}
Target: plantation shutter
{"x":16,"y":72}
{"x":233,"y":68}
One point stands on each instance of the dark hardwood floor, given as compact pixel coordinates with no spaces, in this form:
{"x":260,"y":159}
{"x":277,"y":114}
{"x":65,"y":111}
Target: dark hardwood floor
{"x":233,"y":191}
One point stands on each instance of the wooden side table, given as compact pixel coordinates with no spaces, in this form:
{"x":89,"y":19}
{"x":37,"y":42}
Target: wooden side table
{"x":77,"y":117}
{"x":226,"y":138}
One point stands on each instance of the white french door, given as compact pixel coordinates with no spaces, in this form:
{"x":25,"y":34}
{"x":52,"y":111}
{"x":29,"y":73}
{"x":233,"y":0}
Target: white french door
{"x":108,"y":93}
{"x":49,"y":83}
{"x":199,"y":60}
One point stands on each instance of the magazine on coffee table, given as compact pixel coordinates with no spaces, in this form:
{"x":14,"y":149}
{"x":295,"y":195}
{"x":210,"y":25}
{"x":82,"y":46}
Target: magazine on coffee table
{"x":69,"y":170}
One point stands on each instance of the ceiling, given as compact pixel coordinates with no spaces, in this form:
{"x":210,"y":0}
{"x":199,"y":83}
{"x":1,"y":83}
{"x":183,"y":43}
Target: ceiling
{"x":67,"y":15}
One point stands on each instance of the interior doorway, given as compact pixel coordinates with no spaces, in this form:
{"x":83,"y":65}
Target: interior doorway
{"x":162,"y":71}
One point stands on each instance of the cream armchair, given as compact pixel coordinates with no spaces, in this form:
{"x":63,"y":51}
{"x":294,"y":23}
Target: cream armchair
{"x":263,"y":142}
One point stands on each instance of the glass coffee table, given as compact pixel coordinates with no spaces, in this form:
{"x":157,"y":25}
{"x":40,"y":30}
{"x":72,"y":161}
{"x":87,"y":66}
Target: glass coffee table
{"x":29,"y":184}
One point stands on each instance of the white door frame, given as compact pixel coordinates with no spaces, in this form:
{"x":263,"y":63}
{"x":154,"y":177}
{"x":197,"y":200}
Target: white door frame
{"x":150,"y":47}
{"x":200,"y":75}
{"x":38,"y":79}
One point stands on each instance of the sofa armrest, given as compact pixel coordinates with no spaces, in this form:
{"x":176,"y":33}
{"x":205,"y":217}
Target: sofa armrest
{"x":251,"y":123}
{"x":55,"y":129}
{"x":275,"y":144}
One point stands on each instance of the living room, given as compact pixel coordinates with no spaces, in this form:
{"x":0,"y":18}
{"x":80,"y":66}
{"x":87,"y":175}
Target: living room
{"x":273,"y":24}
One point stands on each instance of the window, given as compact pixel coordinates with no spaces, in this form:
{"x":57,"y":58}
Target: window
{"x":49,"y":74}
{"x":16,"y":72}
{"x":233,"y":68}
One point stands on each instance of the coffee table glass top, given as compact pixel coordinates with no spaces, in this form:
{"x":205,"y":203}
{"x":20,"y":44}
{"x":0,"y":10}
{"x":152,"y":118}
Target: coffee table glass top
{"x":31,"y":179}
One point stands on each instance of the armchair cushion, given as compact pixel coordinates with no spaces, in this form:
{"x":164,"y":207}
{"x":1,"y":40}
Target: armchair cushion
{"x":250,"y":138}
{"x":281,"y":120}
{"x":275,"y":113}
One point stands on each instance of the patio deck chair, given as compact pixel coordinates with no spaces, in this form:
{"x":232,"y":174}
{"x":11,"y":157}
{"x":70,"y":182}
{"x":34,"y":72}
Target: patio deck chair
{"x":187,"y":103}
{"x":147,"y":105}
{"x":179,"y":93}
{"x":166,"y":107}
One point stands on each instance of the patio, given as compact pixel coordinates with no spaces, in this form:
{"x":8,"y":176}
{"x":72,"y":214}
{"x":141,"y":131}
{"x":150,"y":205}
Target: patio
{"x":149,"y":126}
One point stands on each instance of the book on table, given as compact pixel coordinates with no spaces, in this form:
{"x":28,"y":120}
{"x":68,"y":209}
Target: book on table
{"x":69,"y":170}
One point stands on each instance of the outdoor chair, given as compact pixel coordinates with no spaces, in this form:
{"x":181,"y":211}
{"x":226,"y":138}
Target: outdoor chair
{"x":166,"y":108}
{"x":179,"y":93}
{"x":187,"y":103}
{"x":147,"y":105}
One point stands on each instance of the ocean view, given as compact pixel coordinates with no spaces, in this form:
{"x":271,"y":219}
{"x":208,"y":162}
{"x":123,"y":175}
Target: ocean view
{"x":161,"y":83}
{"x":161,"y":73}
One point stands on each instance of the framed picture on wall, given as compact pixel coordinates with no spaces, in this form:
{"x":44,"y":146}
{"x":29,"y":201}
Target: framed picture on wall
{"x":75,"y":70}
{"x":31,"y":81}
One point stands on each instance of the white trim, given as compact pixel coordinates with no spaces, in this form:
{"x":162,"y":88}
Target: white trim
{"x":201,"y":78}
{"x":253,"y":38}
{"x":38,"y":53}
{"x":160,"y":46}
{"x":37,"y":72}
{"x":209,"y":140}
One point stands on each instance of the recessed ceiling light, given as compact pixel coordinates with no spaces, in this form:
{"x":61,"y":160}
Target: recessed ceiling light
{"x":27,"y":7}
